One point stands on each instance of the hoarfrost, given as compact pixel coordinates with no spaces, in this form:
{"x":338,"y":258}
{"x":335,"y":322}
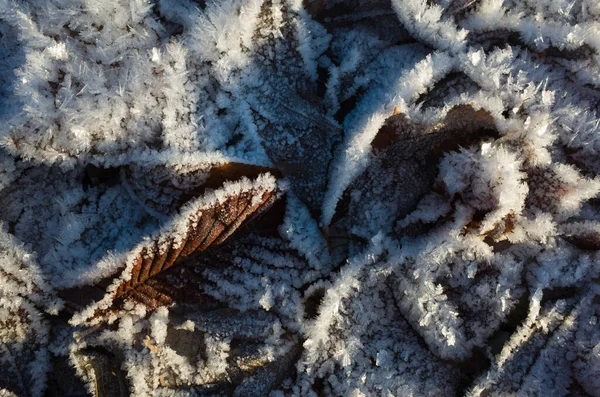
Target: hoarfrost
{"x":285,"y":197}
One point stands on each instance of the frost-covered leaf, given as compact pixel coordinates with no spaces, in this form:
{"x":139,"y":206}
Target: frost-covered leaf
{"x":404,"y":166}
{"x":452,"y":306}
{"x":103,"y":372}
{"x":298,"y":135}
{"x":213,"y":350}
{"x":76,"y":227}
{"x":560,"y":190}
{"x":360,"y":341}
{"x":584,"y":235}
{"x":24,"y":295}
{"x":23,"y":340}
{"x":547,"y":351}
{"x":202,"y":223}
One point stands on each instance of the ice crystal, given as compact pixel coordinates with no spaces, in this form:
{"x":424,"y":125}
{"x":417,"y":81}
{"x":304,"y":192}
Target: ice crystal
{"x":287,"y":197}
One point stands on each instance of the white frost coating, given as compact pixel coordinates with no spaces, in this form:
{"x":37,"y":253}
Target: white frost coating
{"x":21,"y":275}
{"x":170,"y":234}
{"x":216,"y":355}
{"x":353,"y":158}
{"x":304,"y":234}
{"x":220,"y":33}
{"x":158,"y":323}
{"x":486,"y":284}
{"x":24,"y":332}
{"x":501,"y":181}
{"x":561,"y":32}
{"x":425,"y":21}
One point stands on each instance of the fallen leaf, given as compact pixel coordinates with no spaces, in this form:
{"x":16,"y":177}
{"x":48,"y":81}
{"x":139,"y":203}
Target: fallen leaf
{"x":203,"y":223}
{"x":404,"y":166}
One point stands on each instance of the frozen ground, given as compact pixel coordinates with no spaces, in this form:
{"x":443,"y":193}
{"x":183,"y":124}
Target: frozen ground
{"x":318,"y":198}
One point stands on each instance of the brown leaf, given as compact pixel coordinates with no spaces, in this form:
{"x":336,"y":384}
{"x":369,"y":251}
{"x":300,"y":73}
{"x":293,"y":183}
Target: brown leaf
{"x":205,"y":222}
{"x":404,"y":165}
{"x":378,"y":15}
{"x":461,"y":126}
{"x":103,"y":371}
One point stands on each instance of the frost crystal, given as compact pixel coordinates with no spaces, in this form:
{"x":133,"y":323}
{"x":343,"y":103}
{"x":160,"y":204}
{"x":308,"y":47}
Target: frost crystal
{"x":299,"y":197}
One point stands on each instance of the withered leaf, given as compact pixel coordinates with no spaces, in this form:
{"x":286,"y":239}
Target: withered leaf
{"x":205,"y":222}
{"x":297,"y":134}
{"x":462,"y":126}
{"x":532,"y":350}
{"x":104,"y":372}
{"x":404,"y":165}
{"x":373,"y":16}
{"x":21,"y":343}
{"x":24,"y":296}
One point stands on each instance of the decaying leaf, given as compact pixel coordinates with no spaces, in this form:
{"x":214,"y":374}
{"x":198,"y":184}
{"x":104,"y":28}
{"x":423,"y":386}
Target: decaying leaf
{"x":543,"y":354}
{"x":103,"y":373}
{"x":584,"y":235}
{"x":212,"y":350}
{"x":373,"y":16}
{"x":254,"y":369}
{"x":404,"y":165}
{"x":23,"y":336}
{"x":202,"y":223}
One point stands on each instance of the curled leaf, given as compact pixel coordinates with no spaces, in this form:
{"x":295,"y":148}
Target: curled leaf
{"x":404,"y":164}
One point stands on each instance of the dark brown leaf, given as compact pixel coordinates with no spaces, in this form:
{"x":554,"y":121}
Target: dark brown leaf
{"x":583,"y":235}
{"x":205,"y":222}
{"x":103,"y":369}
{"x":461,"y":126}
{"x":404,"y":165}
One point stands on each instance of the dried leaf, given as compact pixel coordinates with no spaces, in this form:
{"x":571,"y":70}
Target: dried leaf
{"x":22,"y":342}
{"x":253,"y":367}
{"x":24,"y":356}
{"x":102,"y":368}
{"x":375,"y":15}
{"x":583,"y":235}
{"x":205,"y":222}
{"x":404,"y":165}
{"x":461,"y":126}
{"x":529,"y":360}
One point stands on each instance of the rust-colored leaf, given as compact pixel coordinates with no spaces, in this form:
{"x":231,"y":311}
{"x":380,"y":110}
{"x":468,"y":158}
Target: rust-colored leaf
{"x":203,"y":223}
